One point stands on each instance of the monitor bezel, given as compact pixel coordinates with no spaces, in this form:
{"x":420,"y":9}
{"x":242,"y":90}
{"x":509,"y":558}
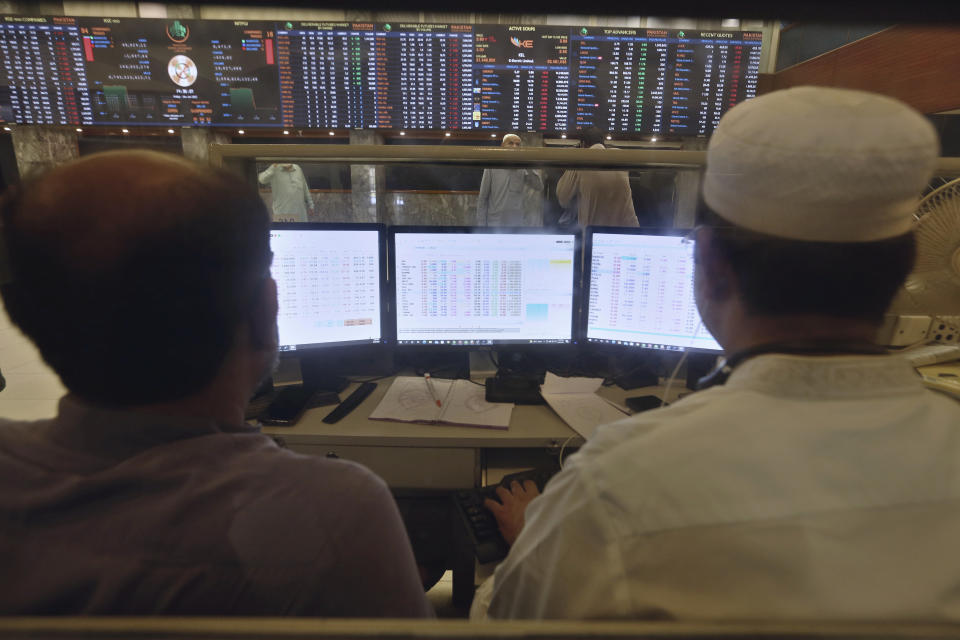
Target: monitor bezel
{"x":586,"y":279}
{"x":577,"y":234}
{"x":385,"y":335}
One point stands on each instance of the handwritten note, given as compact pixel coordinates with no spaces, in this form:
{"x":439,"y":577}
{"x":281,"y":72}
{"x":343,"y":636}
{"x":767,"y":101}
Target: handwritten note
{"x":463,"y":403}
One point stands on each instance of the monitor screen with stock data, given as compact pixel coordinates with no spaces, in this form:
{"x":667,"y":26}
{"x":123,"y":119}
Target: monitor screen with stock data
{"x":331,"y":281}
{"x":639,"y":291}
{"x":477,"y":286}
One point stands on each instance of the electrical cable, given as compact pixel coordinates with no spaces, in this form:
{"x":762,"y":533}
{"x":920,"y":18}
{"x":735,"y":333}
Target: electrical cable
{"x":673,"y":375}
{"x":676,"y":369}
{"x":912,"y":345}
{"x":562,"y":448}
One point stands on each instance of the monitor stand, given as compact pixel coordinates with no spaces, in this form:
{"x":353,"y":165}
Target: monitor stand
{"x":315,"y":375}
{"x":481,"y":365}
{"x":633,"y":370}
{"x":518,"y":379}
{"x":439,"y":363}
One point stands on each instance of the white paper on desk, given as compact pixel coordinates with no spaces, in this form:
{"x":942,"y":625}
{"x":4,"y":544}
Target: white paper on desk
{"x":466,"y":404}
{"x":409,"y":400}
{"x":576,"y":402}
{"x":553,"y":383}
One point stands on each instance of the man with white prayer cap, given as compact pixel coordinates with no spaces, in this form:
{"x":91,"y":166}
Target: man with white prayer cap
{"x":510,"y":197}
{"x":820,"y":480}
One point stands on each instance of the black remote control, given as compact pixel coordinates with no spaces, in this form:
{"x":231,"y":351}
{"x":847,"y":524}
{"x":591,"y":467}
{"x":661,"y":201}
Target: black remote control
{"x":351,"y":402}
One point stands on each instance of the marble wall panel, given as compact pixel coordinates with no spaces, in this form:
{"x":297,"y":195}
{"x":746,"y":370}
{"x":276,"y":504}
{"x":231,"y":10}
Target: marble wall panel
{"x":401,"y":208}
{"x":327,"y":206}
{"x":196,"y":143}
{"x":336,"y":207}
{"x":39,"y":147}
{"x":431,"y":208}
{"x":367,"y":181}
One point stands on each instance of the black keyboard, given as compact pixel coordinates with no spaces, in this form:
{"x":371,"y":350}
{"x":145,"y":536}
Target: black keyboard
{"x":488,"y":544}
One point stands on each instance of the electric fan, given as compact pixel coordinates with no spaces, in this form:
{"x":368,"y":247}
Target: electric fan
{"x":927,"y":308}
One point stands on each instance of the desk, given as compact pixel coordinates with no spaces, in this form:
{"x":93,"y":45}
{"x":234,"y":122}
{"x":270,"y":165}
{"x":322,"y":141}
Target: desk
{"x":425,"y":462}
{"x":403,"y":453}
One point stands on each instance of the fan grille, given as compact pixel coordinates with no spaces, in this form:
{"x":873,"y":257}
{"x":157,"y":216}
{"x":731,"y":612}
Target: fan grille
{"x":933,"y":287}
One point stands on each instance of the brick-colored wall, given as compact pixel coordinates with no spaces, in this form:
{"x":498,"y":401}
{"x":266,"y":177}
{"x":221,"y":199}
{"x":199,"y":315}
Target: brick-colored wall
{"x":917,"y":64}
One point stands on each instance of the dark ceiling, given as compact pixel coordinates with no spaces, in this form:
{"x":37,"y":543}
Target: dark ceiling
{"x":917,"y":11}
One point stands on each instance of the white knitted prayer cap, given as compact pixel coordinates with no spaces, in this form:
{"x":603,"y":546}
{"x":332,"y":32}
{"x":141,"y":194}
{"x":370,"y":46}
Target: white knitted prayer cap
{"x":820,"y":164}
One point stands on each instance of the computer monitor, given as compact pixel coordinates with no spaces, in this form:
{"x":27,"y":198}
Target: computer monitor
{"x":640,"y":291}
{"x":331,"y":284}
{"x":478,"y":287}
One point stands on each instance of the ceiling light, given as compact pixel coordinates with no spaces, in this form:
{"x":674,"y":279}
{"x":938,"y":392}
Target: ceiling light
{"x":447,"y":134}
{"x":79,"y":130}
{"x":285,"y":132}
{"x":609,"y":137}
{"x":564,"y":136}
{"x":493,"y":135}
{"x":7,"y":129}
{"x":241,"y":131}
{"x":170,"y":131}
{"x":125,"y":130}
{"x":332,"y":133}
{"x":403,"y":133}
{"x":653,"y":139}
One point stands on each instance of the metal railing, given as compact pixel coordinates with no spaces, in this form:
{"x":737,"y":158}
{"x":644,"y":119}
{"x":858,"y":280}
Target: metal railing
{"x":619,"y":159}
{"x":237,"y":628}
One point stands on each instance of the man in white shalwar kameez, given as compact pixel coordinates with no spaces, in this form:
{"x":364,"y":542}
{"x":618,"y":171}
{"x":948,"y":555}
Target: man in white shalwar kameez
{"x":821,"y":481}
{"x":601,"y":198}
{"x":510,"y":197}
{"x":291,"y":201}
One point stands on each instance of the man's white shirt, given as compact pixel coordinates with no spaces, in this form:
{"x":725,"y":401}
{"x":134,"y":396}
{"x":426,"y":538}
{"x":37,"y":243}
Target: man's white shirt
{"x":821,"y":488}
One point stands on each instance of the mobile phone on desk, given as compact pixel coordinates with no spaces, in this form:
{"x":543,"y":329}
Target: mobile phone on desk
{"x":287,"y":406}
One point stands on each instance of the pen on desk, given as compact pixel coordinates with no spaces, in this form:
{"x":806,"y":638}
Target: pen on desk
{"x":433,"y":392}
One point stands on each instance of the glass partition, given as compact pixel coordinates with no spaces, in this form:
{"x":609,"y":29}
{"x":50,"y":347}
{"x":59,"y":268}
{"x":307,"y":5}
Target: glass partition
{"x":485,"y":186}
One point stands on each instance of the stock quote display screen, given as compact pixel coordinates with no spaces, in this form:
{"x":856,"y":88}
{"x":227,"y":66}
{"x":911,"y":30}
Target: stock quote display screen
{"x":198,"y":72}
{"x":661,"y":81}
{"x":416,"y":76}
{"x":315,"y":75}
{"x":43,"y":79}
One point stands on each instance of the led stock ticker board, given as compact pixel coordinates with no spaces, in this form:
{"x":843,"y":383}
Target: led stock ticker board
{"x":332,"y":75}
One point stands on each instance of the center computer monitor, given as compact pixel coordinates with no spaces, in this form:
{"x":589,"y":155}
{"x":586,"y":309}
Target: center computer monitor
{"x":480,"y":286}
{"x":331,"y":281}
{"x":640,"y":291}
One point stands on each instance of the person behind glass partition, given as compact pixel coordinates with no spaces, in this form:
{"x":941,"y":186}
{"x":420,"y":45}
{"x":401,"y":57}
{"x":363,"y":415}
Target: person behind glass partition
{"x":510,"y":197}
{"x":291,"y":201}
{"x":600,"y":197}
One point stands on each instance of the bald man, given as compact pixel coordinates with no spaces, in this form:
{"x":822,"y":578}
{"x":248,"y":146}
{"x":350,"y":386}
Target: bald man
{"x":150,"y":295}
{"x":510,"y":197}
